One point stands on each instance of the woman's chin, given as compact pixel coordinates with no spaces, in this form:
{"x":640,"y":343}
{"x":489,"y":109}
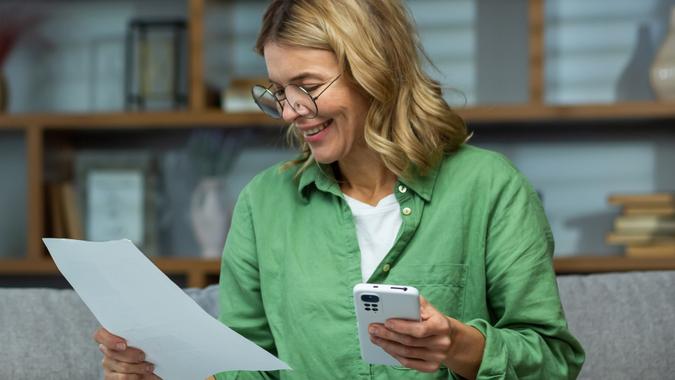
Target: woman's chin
{"x":324,"y":159}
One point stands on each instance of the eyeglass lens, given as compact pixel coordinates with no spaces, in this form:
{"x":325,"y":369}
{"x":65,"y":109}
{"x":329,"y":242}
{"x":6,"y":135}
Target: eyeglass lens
{"x":266,"y":101}
{"x":301,"y":102}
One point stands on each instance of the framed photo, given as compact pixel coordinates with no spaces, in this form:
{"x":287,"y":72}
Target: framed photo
{"x":117,"y":193}
{"x":156,"y":64}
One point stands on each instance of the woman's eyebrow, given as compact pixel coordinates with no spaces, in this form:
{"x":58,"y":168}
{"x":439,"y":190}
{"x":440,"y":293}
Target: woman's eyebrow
{"x":298,"y":77}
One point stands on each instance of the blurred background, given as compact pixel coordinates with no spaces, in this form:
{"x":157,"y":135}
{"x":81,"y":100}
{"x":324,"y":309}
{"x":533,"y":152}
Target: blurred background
{"x":132,"y":119}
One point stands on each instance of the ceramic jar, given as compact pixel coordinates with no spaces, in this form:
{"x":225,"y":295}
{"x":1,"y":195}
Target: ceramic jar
{"x":663,"y":68}
{"x":209,"y":216}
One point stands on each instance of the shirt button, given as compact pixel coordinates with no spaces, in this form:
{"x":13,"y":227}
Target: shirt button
{"x":386,"y":268}
{"x":407,"y":211}
{"x":402,"y":189}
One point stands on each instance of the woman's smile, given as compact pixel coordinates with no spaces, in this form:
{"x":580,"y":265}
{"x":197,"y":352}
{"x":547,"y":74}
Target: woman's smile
{"x":316,"y":133}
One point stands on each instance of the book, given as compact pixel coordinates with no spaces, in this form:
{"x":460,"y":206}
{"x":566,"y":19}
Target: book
{"x":71,"y":212}
{"x":644,"y":224}
{"x":237,"y":96}
{"x":649,"y":210}
{"x":660,"y":199}
{"x":651,"y":251}
{"x":639,"y":238}
{"x":55,"y":211}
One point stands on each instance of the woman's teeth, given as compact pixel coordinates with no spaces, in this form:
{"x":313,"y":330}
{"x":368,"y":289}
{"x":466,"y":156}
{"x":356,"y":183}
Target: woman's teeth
{"x":318,"y":129}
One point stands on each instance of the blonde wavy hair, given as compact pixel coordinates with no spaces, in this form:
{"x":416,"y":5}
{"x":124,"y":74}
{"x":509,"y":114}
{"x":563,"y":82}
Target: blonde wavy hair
{"x":408,"y":124}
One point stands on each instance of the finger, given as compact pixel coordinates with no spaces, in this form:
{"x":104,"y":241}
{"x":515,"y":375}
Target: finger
{"x":436,"y":325}
{"x":419,"y":365}
{"x":412,"y":328}
{"x":434,"y":342}
{"x":125,"y":376}
{"x":397,"y":349}
{"x":112,"y":365}
{"x":380,"y":331}
{"x":130,"y":355}
{"x":109,"y":340}
{"x":425,"y":306}
{"x":121,"y":376}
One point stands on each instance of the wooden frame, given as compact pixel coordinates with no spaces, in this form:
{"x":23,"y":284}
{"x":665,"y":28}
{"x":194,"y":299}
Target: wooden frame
{"x":117,"y":196}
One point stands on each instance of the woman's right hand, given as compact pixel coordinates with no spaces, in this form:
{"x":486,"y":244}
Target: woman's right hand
{"x":121,"y":362}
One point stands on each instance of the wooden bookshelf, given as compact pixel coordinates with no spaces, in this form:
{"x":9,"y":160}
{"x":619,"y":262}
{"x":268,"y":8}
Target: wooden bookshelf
{"x":138,"y":120}
{"x":552,"y":114}
{"x":202,"y":272}
{"x":198,"y":272}
{"x":497,"y":114}
{"x":605,"y":264}
{"x":534,"y":114}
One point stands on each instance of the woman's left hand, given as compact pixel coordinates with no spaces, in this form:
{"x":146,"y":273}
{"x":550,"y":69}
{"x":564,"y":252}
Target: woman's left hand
{"x":433,"y":340}
{"x":422,"y":345}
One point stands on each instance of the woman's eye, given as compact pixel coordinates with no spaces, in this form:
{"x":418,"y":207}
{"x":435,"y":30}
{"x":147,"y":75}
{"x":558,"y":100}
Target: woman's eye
{"x":310,"y":88}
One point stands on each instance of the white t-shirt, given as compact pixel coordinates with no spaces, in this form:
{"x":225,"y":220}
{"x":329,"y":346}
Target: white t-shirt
{"x":376,"y":230}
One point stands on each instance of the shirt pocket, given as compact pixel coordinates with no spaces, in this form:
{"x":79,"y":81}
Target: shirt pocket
{"x":441,"y":284}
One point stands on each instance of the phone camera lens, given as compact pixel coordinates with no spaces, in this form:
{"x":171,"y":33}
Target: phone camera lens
{"x":370,"y":298}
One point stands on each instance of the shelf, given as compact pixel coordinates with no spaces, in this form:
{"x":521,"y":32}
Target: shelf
{"x":195,"y":269}
{"x":215,"y":118}
{"x":150,"y":120}
{"x":605,"y":264}
{"x":587,"y":112}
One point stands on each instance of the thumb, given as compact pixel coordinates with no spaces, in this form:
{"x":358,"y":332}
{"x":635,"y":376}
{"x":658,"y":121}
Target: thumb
{"x":426,"y":309}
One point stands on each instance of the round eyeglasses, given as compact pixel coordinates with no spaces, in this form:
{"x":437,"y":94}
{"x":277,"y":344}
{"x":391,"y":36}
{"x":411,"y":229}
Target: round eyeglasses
{"x":298,"y":97}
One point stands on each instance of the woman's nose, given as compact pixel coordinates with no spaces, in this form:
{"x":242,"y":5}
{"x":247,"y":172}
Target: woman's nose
{"x":288,"y":113}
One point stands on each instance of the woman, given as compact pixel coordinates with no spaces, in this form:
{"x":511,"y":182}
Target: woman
{"x":384,"y":191}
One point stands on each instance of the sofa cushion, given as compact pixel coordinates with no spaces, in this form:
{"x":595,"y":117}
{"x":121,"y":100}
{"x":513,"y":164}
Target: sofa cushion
{"x":625,"y":322}
{"x":47,"y":333}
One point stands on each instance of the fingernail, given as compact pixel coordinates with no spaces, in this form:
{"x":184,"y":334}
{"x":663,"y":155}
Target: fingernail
{"x":372,"y":330}
{"x":121,"y":346}
{"x":101,"y":348}
{"x":150,"y":368}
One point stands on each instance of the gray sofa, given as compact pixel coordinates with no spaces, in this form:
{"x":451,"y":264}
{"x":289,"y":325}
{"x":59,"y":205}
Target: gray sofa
{"x":626,"y":323}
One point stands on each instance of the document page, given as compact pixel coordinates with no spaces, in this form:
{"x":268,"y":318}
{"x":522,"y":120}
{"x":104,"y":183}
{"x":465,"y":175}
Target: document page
{"x":132,"y":298}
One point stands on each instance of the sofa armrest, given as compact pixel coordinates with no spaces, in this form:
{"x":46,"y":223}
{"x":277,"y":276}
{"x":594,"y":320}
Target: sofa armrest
{"x":625,"y":322}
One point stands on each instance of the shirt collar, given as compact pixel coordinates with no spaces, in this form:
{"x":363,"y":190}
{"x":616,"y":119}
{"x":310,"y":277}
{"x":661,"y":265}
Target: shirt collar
{"x":423,"y":185}
{"x":323,"y":178}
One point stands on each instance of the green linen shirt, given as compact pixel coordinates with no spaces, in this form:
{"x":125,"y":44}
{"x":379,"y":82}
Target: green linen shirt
{"x":474,"y":240}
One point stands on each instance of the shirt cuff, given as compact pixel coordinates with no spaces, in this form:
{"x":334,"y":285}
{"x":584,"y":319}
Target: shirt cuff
{"x":495,"y":363}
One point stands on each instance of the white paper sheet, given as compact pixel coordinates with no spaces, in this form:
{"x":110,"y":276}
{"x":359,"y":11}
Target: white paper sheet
{"x":132,"y":298}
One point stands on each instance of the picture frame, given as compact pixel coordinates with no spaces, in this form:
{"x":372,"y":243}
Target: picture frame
{"x":156,"y":64}
{"x":117,"y":192}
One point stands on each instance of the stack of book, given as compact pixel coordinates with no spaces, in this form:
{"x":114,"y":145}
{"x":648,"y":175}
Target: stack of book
{"x":646,"y":226}
{"x":237,"y":96}
{"x":64,"y":218}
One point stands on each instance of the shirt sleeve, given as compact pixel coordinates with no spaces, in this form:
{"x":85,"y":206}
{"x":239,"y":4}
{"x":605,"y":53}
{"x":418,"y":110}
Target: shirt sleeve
{"x":527,"y":336}
{"x":241,"y":306}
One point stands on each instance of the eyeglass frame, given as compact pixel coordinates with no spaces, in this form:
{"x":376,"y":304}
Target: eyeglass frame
{"x":280,"y":102}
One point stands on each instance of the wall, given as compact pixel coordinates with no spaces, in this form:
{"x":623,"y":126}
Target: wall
{"x":590,"y":47}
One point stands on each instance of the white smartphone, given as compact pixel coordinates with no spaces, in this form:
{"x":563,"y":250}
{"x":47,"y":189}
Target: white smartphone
{"x":375,"y":303}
